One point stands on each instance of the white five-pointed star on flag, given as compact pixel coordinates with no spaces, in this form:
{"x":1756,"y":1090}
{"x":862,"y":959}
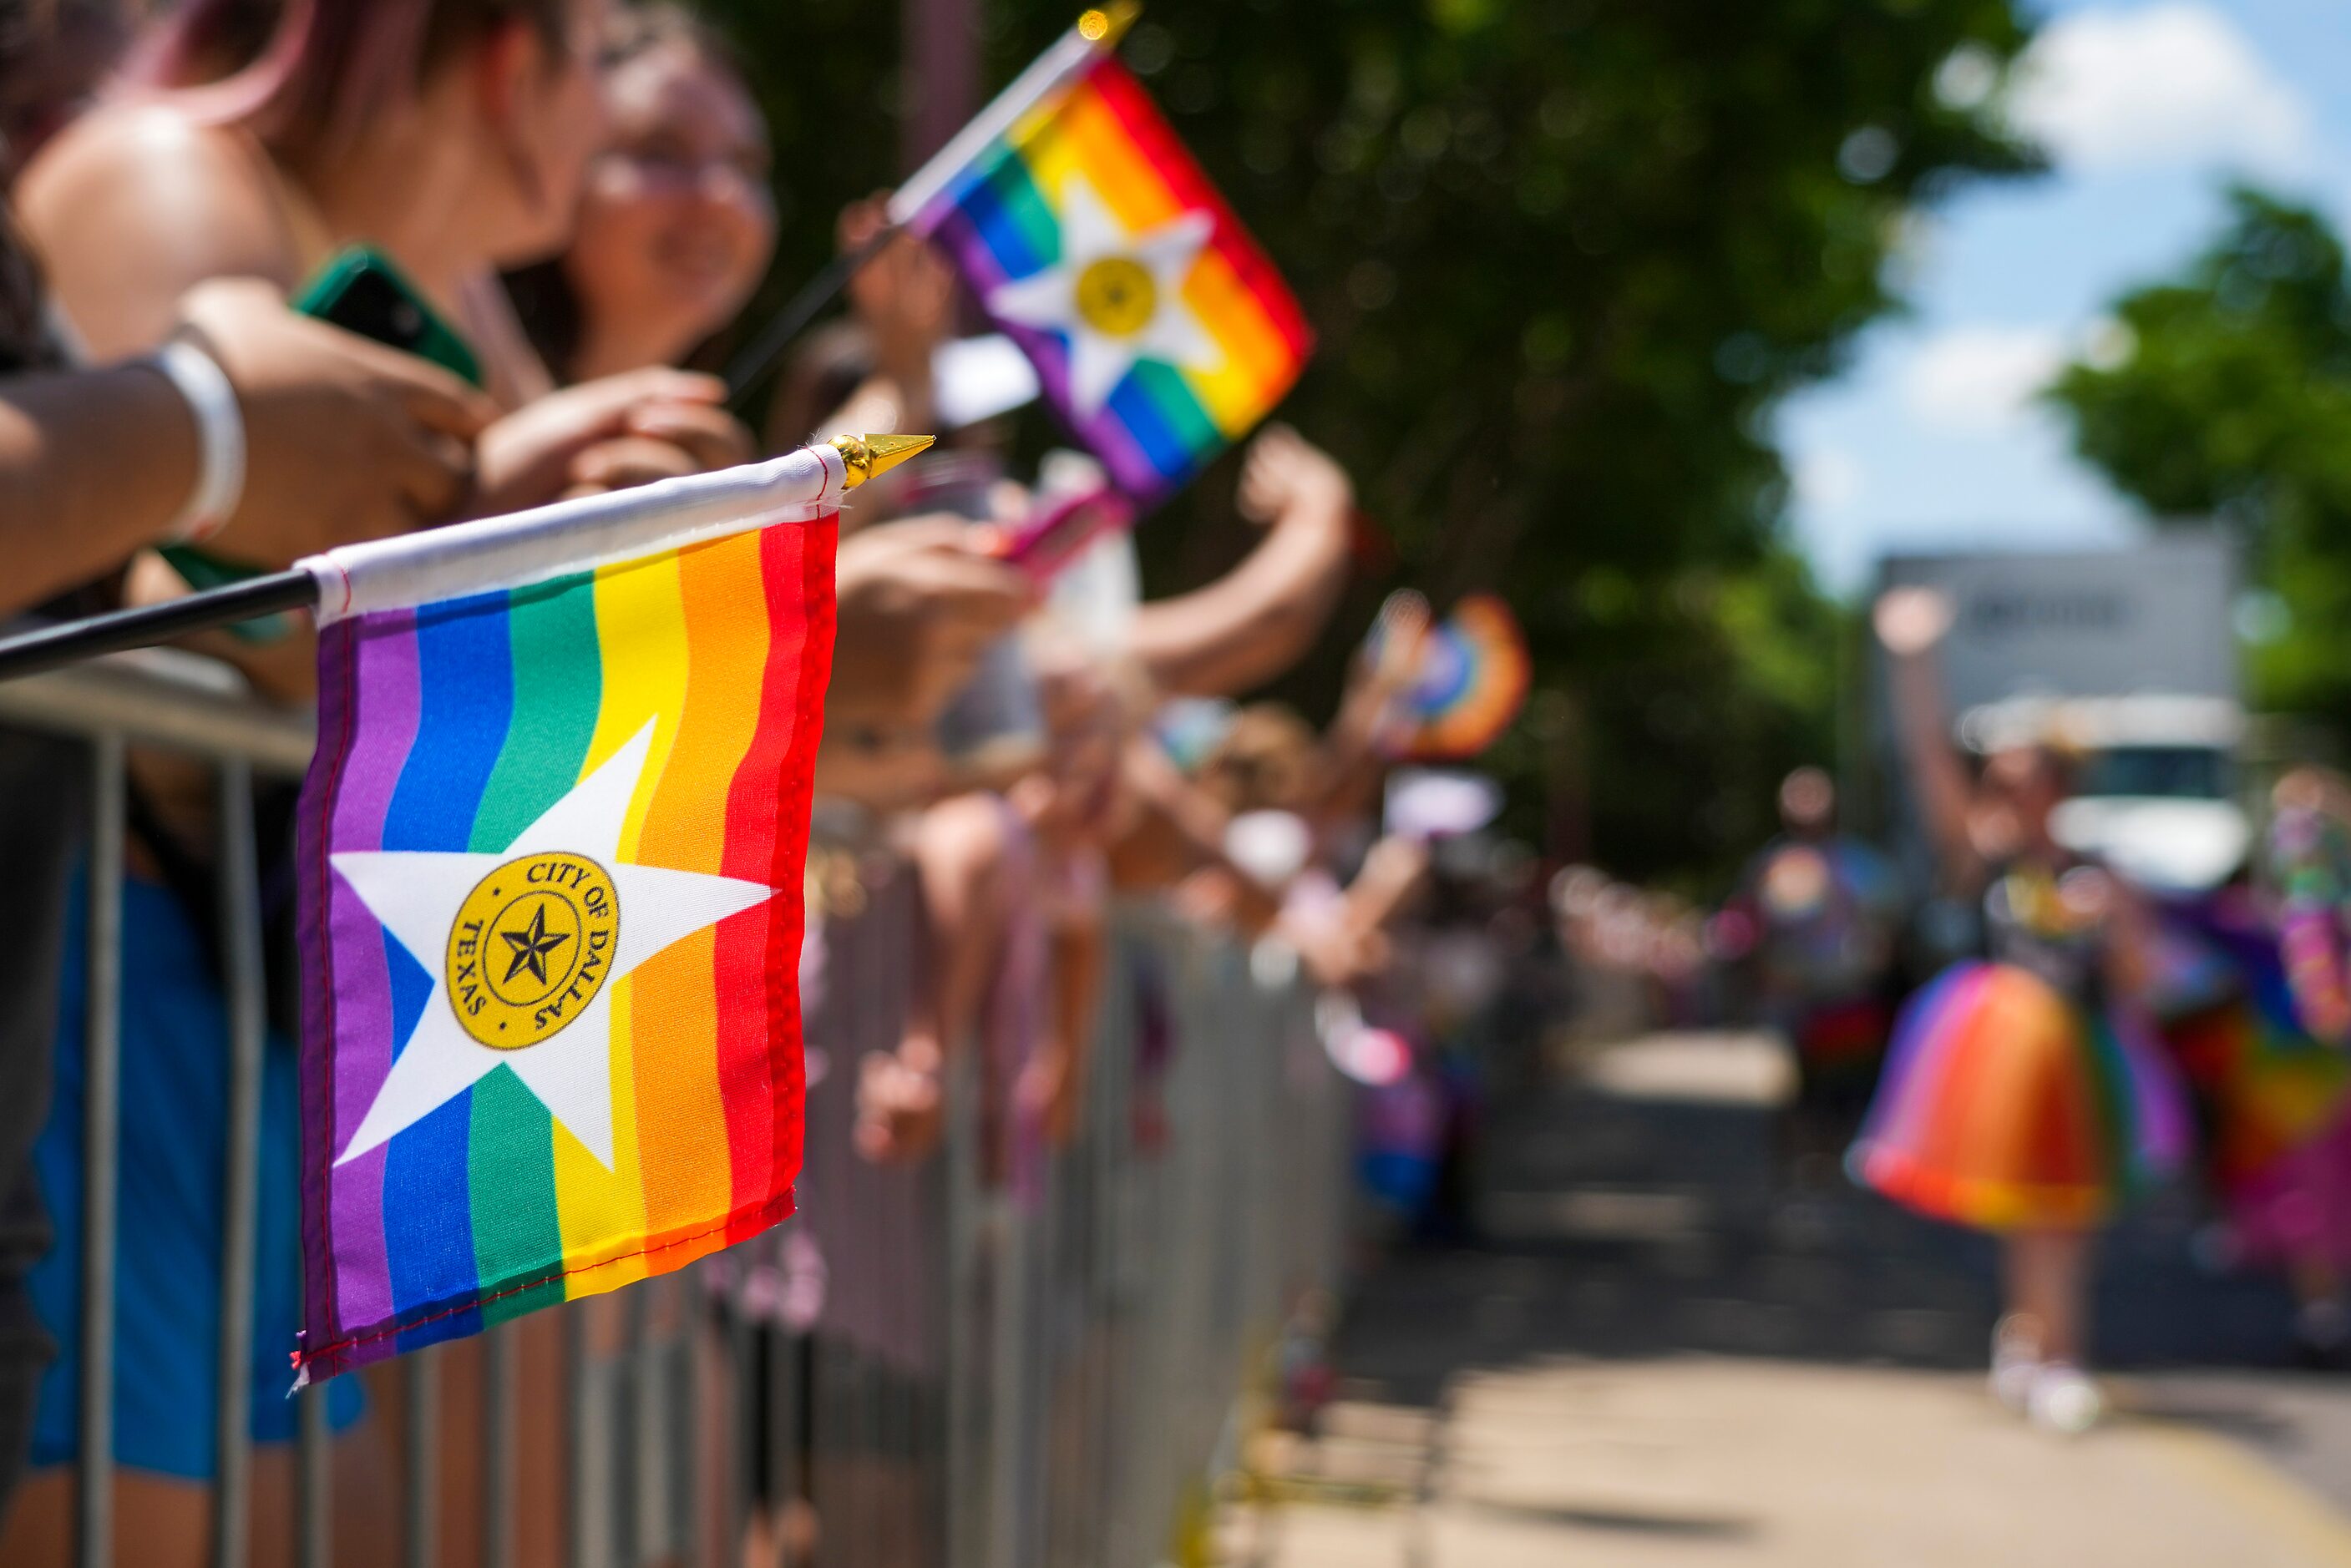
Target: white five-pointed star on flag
{"x":417,"y":896}
{"x":1101,"y":356}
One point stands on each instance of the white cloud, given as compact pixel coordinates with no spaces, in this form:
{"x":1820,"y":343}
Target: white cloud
{"x":2169,"y":84}
{"x":1979,"y":380}
{"x":1827,"y":478}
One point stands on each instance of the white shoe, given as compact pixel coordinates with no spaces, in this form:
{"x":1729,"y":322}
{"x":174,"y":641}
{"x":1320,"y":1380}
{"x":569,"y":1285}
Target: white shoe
{"x":2064,"y":1400}
{"x":2016,"y":1364}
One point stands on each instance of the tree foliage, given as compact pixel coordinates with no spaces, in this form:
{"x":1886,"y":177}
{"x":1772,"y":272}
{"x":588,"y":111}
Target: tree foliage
{"x":2227,"y":395}
{"x":1564,"y":257}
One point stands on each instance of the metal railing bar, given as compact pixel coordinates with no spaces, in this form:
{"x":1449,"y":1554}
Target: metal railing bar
{"x":627,"y":1430}
{"x":500,"y":1439}
{"x":102,"y":1122}
{"x":165,"y":698}
{"x":422,"y":1539}
{"x":828,"y":1489}
{"x":240,"y":914}
{"x":783,"y":1439}
{"x":314,"y":1504}
{"x":1078,"y":1388}
{"x":736,"y":1360}
{"x":692,"y":1530}
{"x":579,"y":1447}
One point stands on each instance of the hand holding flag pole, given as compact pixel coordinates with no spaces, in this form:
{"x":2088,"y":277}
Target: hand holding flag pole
{"x":475,"y":556}
{"x":916,"y":203}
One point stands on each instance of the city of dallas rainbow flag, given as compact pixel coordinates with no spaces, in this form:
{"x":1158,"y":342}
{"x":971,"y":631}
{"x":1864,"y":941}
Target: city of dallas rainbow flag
{"x":1159,"y":329}
{"x":552,"y":853}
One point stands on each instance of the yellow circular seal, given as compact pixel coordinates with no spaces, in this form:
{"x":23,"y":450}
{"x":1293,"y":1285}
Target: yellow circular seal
{"x":532,"y":945}
{"x":1117,"y":295}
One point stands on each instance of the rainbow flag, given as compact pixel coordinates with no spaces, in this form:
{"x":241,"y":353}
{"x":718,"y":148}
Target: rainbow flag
{"x":1470,"y":678}
{"x":552,"y":845}
{"x":1160,"y":330}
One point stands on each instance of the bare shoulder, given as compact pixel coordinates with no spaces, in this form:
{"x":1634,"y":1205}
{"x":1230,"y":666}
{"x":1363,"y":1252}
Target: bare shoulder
{"x":134,"y":206}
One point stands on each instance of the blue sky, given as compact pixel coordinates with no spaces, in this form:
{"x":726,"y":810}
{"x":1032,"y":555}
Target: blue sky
{"x":1930,"y":438}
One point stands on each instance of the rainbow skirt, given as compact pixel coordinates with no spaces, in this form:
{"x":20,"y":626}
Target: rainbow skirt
{"x":2005,"y":1107}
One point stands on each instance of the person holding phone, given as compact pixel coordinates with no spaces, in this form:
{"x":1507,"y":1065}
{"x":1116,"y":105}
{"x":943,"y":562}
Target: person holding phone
{"x":2023,"y":1092}
{"x":272,"y":435}
{"x":452,"y":135}
{"x":336,"y":438}
{"x":307,"y":408}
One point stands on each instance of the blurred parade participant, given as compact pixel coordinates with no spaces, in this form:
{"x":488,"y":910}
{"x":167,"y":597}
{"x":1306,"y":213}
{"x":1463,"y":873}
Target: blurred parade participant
{"x":2260,"y":1033}
{"x":1815,"y":918}
{"x":2020,"y":1096}
{"x":675,"y":223}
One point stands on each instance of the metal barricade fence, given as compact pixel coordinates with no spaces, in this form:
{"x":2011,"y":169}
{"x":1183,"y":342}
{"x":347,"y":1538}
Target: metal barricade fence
{"x":1006,"y":1355}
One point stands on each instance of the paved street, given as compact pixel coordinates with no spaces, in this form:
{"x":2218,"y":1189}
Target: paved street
{"x":1659,"y":1354}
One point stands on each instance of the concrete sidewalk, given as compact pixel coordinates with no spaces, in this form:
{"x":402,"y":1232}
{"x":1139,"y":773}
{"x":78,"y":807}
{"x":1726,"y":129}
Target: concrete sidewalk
{"x":1706,"y":1462}
{"x":1660,"y":1355}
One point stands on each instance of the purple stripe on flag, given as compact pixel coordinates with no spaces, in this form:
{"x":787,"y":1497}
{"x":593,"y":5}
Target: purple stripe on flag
{"x":1130,"y":468}
{"x":388,"y":704}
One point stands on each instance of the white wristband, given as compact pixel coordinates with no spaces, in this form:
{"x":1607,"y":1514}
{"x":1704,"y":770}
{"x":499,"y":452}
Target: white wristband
{"x":220,"y":441}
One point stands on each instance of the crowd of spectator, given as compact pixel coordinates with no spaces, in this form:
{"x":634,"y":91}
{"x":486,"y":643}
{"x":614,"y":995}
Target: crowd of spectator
{"x":582,"y":191}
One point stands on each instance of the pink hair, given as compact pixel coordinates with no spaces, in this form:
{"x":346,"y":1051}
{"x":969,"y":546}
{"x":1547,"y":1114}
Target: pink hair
{"x":330,"y":67}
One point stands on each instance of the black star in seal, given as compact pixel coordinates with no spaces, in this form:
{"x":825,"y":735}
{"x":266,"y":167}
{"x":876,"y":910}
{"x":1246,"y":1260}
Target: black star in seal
{"x":531,"y":947}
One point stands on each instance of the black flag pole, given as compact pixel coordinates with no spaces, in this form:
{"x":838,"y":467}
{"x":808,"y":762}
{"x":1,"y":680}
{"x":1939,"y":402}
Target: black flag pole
{"x":758,"y":359}
{"x":31,"y":653}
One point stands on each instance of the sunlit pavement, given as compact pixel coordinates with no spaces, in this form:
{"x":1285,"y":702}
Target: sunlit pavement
{"x":1659,"y":1354}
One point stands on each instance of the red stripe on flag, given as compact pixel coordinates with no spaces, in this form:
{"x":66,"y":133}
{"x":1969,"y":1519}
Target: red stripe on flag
{"x":1148,"y":129}
{"x":797,"y":566}
{"x":767,"y":841}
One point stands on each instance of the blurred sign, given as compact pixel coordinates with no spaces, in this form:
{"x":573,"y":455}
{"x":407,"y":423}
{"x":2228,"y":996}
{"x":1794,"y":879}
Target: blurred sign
{"x":2153,"y":618}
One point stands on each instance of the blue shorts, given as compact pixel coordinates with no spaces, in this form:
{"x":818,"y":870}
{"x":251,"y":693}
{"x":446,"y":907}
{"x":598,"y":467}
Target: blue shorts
{"x":175,"y":1102}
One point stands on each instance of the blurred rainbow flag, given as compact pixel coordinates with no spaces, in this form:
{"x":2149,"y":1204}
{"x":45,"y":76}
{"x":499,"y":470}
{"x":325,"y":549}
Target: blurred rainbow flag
{"x":1469,"y":675}
{"x":552,"y":844}
{"x":1161,"y":331}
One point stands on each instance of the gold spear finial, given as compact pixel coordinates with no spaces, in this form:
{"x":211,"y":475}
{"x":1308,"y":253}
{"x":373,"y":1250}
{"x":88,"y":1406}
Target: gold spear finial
{"x":1106,"y":24}
{"x":871,"y":456}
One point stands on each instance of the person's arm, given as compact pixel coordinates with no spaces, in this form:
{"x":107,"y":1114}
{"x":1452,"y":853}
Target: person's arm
{"x":1394,"y":874}
{"x":342,"y":439}
{"x":1910,"y":624}
{"x":1195,"y":818}
{"x":1352,"y":763}
{"x":1080,"y":953}
{"x":1259,"y":618}
{"x":70,"y":508}
{"x":133,"y":208}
